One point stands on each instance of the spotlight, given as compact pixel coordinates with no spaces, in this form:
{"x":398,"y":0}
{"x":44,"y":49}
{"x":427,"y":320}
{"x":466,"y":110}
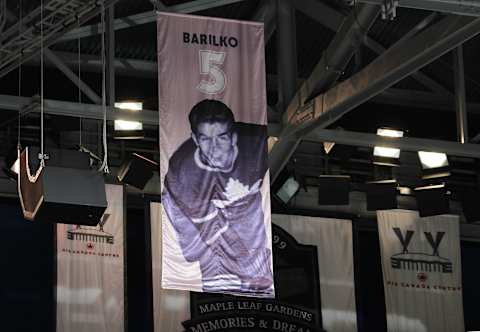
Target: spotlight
{"x":288,"y":190}
{"x":387,"y":156}
{"x":333,"y":190}
{"x":432,"y":200}
{"x":137,"y":171}
{"x":128,"y":129}
{"x":382,"y":195}
{"x":434,"y":165}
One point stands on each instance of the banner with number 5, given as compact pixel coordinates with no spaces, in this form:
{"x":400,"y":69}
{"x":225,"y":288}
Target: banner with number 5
{"x":216,"y":227}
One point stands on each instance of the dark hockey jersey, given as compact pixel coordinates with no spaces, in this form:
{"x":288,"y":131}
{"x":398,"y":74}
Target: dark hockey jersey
{"x":218,"y":214}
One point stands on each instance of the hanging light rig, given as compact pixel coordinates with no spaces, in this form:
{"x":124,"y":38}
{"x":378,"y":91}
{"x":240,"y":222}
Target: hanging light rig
{"x":66,"y":190}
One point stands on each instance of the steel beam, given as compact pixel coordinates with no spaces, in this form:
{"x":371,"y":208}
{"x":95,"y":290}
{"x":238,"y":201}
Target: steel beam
{"x":333,"y":19}
{"x":403,"y":143}
{"x":72,"y":76}
{"x":266,"y":13}
{"x":460,"y":98}
{"x":60,"y":21}
{"x":147,"y":17}
{"x":391,"y":67}
{"x":286,"y":53}
{"x":336,"y":57}
{"x":420,"y":100}
{"x":78,"y":110}
{"x":89,"y":111}
{"x":458,"y":7}
{"x":148,"y":69}
{"x":339,"y":52}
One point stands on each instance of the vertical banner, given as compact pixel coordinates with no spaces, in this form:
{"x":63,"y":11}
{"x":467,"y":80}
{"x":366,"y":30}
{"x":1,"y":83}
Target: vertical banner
{"x":333,"y":239}
{"x":214,"y":177}
{"x":421,"y":271}
{"x":90,"y":271}
{"x":312,"y":286}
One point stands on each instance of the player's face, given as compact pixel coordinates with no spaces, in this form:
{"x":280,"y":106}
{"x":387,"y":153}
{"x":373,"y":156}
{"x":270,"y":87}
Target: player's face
{"x":216,"y":143}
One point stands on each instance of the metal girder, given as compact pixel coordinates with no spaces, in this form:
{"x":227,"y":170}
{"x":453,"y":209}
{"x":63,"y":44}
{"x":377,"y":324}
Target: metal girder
{"x":420,"y":100}
{"x":459,"y":7}
{"x":60,"y":17}
{"x":391,"y":67}
{"x":333,"y":19}
{"x":89,"y":111}
{"x":336,"y":57}
{"x":148,"y":17}
{"x":72,"y":76}
{"x":286,"y":53}
{"x":78,"y":110}
{"x":266,"y":13}
{"x":403,"y":143}
{"x":353,"y":33}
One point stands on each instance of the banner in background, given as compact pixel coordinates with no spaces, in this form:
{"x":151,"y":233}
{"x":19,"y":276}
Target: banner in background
{"x":90,"y":272}
{"x":333,"y":239}
{"x":421,"y":271}
{"x":312,"y":286}
{"x":213,"y":144}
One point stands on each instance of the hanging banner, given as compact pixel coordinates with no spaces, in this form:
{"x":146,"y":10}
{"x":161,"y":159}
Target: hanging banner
{"x":213,"y":148}
{"x":333,"y":239}
{"x":421,"y":271}
{"x":90,"y":271}
{"x":314,"y":292}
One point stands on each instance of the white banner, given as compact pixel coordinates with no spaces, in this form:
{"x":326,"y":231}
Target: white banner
{"x":90,"y":272}
{"x":213,"y":160}
{"x":421,"y":271}
{"x":333,"y":239}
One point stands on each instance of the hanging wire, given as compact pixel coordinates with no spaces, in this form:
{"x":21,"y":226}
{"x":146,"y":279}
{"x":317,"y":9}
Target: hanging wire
{"x":104,"y":166}
{"x":79,"y":80}
{"x":20,"y":16}
{"x":42,"y":159}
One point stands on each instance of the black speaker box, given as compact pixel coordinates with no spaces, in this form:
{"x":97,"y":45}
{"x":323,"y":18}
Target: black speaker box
{"x":471,"y":205}
{"x":137,"y":171}
{"x":432,"y":200}
{"x":381,"y":195}
{"x":59,"y":194}
{"x":333,"y":190}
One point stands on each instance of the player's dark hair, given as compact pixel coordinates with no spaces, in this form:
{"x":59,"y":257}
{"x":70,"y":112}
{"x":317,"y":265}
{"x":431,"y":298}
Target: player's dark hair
{"x":209,"y":110}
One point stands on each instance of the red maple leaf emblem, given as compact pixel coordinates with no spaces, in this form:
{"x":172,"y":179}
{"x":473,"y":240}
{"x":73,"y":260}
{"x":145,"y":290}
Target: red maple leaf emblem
{"x":422,"y":277}
{"x":90,"y":246}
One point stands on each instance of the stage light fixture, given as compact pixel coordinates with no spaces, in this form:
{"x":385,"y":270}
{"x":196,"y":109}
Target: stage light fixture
{"x":383,"y":155}
{"x":137,"y":171}
{"x":333,"y":190}
{"x":381,"y":195}
{"x":434,"y":164}
{"x":288,"y":190}
{"x":432,"y":200}
{"x":128,"y":129}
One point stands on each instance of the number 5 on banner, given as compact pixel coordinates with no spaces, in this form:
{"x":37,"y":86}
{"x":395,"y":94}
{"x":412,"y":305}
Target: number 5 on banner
{"x":209,"y":65}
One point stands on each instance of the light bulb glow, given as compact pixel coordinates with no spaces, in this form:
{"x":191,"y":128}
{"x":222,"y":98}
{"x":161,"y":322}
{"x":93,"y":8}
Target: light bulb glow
{"x":127,"y":125}
{"x":380,"y":151}
{"x":432,"y":159}
{"x":130,"y":105}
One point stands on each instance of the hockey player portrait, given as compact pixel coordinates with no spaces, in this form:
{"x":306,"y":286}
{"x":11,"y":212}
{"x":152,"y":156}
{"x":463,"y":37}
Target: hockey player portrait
{"x":213,"y":200}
